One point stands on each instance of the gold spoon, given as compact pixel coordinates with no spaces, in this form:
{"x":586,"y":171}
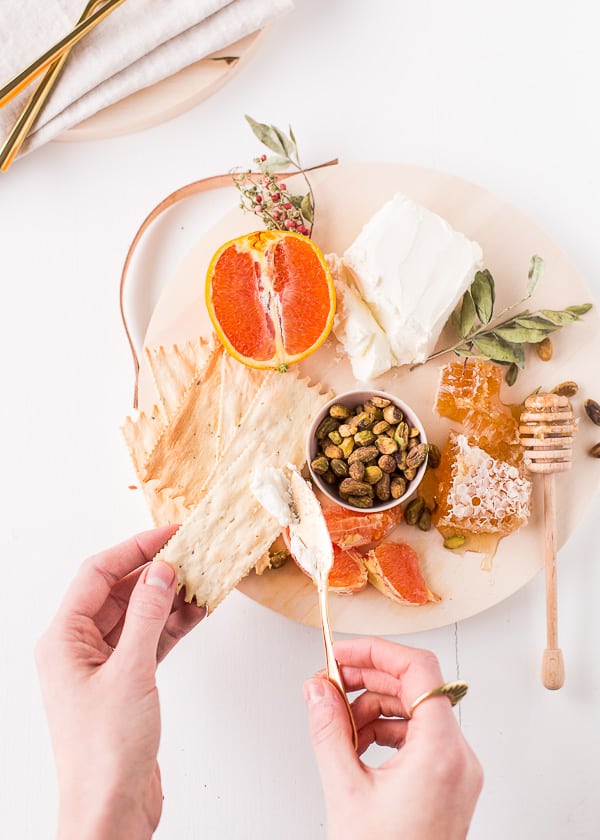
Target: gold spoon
{"x":310,"y":544}
{"x":22,"y":79}
{"x":547,"y":425}
{"x":29,"y":114}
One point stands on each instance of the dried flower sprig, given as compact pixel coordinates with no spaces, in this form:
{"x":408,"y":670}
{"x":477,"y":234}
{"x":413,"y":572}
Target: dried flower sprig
{"x":265,"y":194}
{"x":500,"y":339}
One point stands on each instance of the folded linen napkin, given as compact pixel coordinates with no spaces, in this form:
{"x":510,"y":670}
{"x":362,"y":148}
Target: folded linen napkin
{"x":140,"y":43}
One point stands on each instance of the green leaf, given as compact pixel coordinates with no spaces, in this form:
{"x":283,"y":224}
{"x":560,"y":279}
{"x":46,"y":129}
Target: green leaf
{"x":536,"y":270}
{"x":307,"y":209}
{"x":484,"y":295}
{"x":295,"y":201}
{"x":533,"y":322}
{"x":285,"y":141}
{"x":498,"y":350}
{"x":455,"y":322}
{"x":293,"y":139}
{"x":275,"y":162}
{"x":464,"y":351}
{"x":560,"y":317}
{"x":511,"y":374}
{"x":467,"y":315}
{"x":522,"y":335}
{"x":267,"y":135}
{"x":581,"y":309}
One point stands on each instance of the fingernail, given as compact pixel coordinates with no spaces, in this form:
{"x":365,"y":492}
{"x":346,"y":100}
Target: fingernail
{"x":314,"y":691}
{"x":160,"y":574}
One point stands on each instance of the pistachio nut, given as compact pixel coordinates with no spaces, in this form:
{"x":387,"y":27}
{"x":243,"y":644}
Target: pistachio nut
{"x":386,"y":463}
{"x":413,"y":510}
{"x":373,"y":475}
{"x":386,"y":445}
{"x":339,"y":411}
{"x":416,"y":455}
{"x":435,"y":456}
{"x":347,"y":445}
{"x":330,"y":450}
{"x":380,"y":402}
{"x":363,"y":453}
{"x":277,"y":559}
{"x":382,"y":488}
{"x":397,"y":486}
{"x":327,"y":424}
{"x":360,"y":501}
{"x":592,"y":409}
{"x":380,"y":427}
{"x":364,"y":438}
{"x":455,"y":541}
{"x":424,"y":521}
{"x":392,"y":414}
{"x":351,"y":487}
{"x":566,"y":389}
{"x":401,"y":435}
{"x":544,"y":349}
{"x":357,"y":470}
{"x":339,"y":467}
{"x":320,"y":465}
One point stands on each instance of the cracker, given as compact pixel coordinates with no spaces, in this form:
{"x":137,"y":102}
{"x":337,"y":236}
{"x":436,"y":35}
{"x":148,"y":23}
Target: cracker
{"x":229,"y":531}
{"x":172,"y":370}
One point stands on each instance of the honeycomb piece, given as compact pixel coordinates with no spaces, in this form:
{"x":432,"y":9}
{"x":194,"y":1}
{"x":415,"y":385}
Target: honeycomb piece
{"x":477,"y":493}
{"x":469,"y":393}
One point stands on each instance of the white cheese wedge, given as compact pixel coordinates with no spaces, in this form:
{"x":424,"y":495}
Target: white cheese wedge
{"x":399,"y":282}
{"x":364,"y":341}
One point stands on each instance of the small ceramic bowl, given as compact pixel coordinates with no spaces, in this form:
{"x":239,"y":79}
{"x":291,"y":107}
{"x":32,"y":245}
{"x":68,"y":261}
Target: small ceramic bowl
{"x":351,"y":399}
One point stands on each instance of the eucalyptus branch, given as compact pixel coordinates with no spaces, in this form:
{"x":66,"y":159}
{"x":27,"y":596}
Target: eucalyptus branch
{"x":484,"y":329}
{"x":499,"y":339}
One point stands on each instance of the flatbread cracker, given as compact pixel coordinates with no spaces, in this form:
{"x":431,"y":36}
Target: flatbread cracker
{"x":229,"y":531}
{"x":191,"y":445}
{"x":172,"y":372}
{"x":173,"y":369}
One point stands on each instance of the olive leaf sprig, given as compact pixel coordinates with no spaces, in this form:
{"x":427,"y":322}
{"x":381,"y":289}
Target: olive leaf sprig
{"x":503,"y":339}
{"x":266,"y":195}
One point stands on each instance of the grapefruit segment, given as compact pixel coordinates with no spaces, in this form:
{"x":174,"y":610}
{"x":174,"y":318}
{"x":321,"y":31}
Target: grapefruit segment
{"x":395,"y":571}
{"x":270,"y":297}
{"x":349,"y":529}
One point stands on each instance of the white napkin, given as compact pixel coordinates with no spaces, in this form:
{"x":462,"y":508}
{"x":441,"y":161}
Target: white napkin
{"x":138,"y":44}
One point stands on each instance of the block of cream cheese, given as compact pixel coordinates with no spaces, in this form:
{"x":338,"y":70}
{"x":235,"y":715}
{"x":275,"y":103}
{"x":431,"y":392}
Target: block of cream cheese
{"x":397,"y":285}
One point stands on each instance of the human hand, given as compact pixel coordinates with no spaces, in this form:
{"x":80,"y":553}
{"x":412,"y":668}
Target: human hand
{"x":97,"y":664}
{"x":428,"y":789}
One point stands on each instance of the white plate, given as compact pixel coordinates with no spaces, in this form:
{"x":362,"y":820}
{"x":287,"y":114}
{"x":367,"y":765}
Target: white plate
{"x":346,"y":196}
{"x":168,"y":98}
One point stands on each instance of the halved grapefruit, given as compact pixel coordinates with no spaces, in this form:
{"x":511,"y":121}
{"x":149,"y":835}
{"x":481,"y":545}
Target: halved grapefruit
{"x":270,"y":297}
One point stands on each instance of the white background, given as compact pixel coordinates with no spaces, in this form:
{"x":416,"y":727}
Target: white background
{"x":503,"y":94}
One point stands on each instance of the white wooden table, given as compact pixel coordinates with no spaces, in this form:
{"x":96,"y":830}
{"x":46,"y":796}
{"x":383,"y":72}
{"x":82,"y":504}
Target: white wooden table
{"x":500,"y":94}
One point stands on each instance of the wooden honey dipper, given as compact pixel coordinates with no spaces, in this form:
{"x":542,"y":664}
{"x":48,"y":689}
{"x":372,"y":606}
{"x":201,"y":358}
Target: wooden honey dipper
{"x":547,"y":425}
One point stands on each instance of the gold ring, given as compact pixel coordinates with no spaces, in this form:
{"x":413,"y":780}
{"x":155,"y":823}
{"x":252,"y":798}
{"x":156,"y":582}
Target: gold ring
{"x":454,"y":691}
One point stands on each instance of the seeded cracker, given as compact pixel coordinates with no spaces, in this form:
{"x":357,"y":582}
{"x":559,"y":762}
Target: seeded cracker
{"x":229,"y":531}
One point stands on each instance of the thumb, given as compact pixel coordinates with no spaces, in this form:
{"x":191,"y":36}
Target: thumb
{"x":330,"y":732}
{"x":149,"y":608}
